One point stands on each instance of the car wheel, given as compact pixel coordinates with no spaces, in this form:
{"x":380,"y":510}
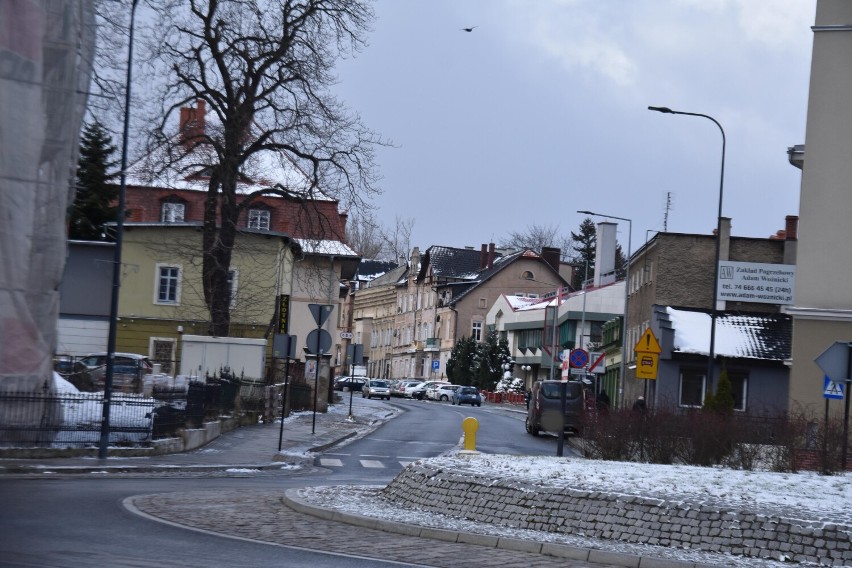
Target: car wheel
{"x":531,"y":427}
{"x":444,"y":398}
{"x":477,"y":404}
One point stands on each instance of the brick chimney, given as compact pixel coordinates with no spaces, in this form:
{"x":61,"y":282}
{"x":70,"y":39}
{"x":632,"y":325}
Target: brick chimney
{"x":483,"y":256}
{"x":791,"y":227}
{"x":791,"y":238}
{"x":551,"y":255}
{"x":490,"y":255}
{"x":192,"y":124}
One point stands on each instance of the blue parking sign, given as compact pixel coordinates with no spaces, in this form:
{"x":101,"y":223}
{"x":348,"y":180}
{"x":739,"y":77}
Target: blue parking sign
{"x":436,"y":364}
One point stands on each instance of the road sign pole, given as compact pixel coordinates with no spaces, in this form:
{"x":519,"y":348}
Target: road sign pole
{"x":563,"y":391}
{"x":846,"y":404}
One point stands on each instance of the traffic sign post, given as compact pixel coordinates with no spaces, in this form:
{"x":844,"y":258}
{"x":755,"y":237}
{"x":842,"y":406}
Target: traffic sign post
{"x":647,"y":351}
{"x":836,"y":363}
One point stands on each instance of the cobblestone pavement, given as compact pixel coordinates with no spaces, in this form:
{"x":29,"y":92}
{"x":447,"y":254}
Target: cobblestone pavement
{"x":263,"y":516}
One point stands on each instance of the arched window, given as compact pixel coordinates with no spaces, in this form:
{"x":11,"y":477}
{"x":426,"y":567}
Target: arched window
{"x":528,"y":275}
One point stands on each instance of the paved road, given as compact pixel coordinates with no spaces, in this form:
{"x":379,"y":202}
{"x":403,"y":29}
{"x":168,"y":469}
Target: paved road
{"x":261,"y":515}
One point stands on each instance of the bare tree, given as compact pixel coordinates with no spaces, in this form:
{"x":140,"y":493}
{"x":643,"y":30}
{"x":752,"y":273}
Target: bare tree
{"x":263,"y":68}
{"x":364,"y":235}
{"x":537,"y":237}
{"x":397,"y":238}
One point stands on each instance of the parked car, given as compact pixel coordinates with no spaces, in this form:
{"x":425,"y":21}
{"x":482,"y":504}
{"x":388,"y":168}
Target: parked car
{"x":398,"y":389}
{"x":419,"y":392}
{"x":545,"y":407}
{"x":128,"y":369}
{"x":442,"y":392}
{"x":350,"y":383}
{"x":411,"y":388}
{"x":376,"y":387}
{"x":467,"y":395}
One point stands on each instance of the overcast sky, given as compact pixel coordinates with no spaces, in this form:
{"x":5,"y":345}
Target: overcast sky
{"x":542,"y":110}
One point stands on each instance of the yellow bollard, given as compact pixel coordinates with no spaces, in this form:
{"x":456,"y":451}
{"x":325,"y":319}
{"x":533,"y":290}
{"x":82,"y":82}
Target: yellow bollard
{"x":470,"y":426}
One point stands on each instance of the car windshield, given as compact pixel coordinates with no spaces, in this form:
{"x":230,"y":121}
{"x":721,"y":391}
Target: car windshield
{"x":468,"y":390}
{"x":553,"y":389}
{"x":378,"y":384}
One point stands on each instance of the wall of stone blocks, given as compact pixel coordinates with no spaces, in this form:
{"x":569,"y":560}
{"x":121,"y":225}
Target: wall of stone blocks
{"x":634,"y":519}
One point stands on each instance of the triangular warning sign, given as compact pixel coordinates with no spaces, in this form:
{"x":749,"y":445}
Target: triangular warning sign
{"x":648,"y":343}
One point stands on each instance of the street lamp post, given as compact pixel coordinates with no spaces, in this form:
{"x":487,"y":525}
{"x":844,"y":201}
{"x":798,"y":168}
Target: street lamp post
{"x":626,"y":282}
{"x":103,"y":445}
{"x":712,"y":354}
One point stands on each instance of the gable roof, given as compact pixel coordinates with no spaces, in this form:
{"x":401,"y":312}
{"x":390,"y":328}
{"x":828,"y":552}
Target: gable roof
{"x":745,"y":336}
{"x":451,"y":262}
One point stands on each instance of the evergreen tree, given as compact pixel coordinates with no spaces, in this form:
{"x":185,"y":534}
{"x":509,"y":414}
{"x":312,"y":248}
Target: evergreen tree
{"x":462,"y":362}
{"x":491,"y":355}
{"x":723,"y":401}
{"x":584,"y":245}
{"x":92,"y":206}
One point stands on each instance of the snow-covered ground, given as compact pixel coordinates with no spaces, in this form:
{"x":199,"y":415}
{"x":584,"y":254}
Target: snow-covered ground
{"x":82,"y":415}
{"x":806,"y":495}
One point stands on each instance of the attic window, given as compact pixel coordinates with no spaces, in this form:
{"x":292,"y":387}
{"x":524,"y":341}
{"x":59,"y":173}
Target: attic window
{"x":172,"y":210}
{"x":528,"y":275}
{"x":259,"y":219}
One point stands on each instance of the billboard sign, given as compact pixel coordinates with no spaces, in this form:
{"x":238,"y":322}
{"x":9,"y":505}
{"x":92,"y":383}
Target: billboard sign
{"x":756,"y":282}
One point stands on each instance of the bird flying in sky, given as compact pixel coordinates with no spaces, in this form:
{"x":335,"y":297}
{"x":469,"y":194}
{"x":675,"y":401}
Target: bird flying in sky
{"x":470,"y":29}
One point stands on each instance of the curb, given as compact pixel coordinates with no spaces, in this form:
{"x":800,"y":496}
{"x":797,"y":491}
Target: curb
{"x":292,"y":500}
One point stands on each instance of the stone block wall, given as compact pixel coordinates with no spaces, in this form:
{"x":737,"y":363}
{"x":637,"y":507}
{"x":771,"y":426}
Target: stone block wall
{"x":635,"y":519}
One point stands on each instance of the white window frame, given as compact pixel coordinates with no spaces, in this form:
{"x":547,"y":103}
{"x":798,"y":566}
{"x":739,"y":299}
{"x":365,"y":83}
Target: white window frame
{"x":169,"y":212}
{"x":158,"y":269}
{"x":476,"y":330}
{"x":152,"y":354}
{"x":234,"y":285}
{"x":259,"y":219}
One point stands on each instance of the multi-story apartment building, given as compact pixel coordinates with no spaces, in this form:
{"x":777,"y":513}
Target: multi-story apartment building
{"x":443,"y":295}
{"x":289,"y":253}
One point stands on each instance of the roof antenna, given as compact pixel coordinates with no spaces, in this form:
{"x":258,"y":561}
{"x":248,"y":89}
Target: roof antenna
{"x":668,"y":208}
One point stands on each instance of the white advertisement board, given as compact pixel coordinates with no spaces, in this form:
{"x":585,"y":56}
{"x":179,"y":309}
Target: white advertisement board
{"x":756,"y":282}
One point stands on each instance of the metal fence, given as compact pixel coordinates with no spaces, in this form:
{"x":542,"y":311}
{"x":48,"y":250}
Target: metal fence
{"x":51,"y":419}
{"x":59,"y":420}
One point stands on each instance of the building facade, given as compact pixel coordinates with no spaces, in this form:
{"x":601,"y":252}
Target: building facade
{"x":822,"y":309}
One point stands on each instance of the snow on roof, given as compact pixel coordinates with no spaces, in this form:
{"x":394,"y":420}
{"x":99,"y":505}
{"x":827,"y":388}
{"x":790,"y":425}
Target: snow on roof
{"x":188,"y":170}
{"x":325,"y":247}
{"x":744,"y":336}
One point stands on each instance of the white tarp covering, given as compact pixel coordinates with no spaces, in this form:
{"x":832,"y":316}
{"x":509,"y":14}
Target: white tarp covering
{"x":46,"y":48}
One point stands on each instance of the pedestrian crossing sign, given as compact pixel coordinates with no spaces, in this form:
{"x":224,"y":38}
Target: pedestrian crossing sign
{"x":832,"y":389}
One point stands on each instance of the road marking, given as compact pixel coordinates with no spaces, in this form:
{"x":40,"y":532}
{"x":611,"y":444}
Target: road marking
{"x":372,"y":463}
{"x":331,"y":462}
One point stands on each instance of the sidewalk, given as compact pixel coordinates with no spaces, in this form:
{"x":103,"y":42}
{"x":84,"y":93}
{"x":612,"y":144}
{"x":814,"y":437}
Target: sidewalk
{"x":248,"y":447}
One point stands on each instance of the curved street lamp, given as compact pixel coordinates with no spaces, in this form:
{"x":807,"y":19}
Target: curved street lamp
{"x":712,"y":354}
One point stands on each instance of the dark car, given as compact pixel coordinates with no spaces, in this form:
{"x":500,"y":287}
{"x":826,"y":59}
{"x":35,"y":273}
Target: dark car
{"x":467,"y":395}
{"x":350,"y":383}
{"x":545,"y":406}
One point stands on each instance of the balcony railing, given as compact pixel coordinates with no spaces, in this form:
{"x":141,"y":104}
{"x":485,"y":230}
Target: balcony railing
{"x":433,"y":344}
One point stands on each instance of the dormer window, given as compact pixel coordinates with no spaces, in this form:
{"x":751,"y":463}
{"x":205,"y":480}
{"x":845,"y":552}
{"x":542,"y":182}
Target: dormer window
{"x":172,"y":211}
{"x":258,"y":219}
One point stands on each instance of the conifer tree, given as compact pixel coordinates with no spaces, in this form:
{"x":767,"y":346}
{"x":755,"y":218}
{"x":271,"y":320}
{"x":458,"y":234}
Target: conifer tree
{"x":584,"y":245}
{"x":92,"y":206}
{"x":462,"y":362}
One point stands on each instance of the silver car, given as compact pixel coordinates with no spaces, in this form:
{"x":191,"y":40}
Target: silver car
{"x":376,"y":387}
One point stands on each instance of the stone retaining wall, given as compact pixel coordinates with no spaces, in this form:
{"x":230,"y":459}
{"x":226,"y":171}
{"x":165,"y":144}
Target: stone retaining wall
{"x":633,"y":519}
